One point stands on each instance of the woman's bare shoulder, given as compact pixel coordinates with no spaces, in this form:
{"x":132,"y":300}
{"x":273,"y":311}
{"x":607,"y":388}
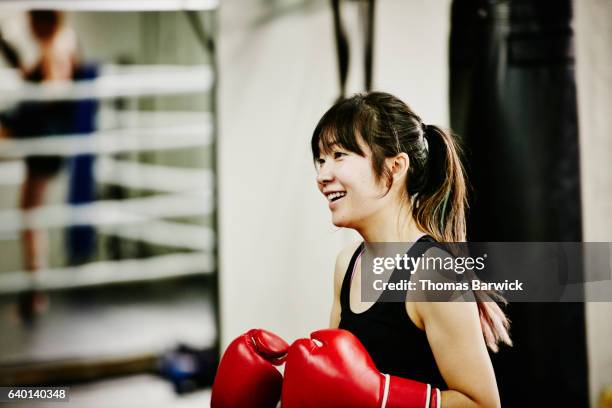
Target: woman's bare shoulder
{"x":343,"y":259}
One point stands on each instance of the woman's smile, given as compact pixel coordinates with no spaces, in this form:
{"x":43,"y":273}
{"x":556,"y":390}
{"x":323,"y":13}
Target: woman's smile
{"x":334,"y":197}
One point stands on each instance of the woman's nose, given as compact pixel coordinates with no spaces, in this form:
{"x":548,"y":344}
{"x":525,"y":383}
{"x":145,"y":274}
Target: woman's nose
{"x":325,"y":174}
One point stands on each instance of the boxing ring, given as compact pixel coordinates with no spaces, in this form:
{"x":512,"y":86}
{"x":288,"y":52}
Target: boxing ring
{"x":147,"y":283}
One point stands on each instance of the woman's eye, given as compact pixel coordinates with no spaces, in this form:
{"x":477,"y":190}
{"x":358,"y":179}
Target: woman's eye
{"x":338,"y":155}
{"x":320,"y":162}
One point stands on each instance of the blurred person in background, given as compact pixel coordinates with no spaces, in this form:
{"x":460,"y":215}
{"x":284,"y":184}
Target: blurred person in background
{"x":57,"y":61}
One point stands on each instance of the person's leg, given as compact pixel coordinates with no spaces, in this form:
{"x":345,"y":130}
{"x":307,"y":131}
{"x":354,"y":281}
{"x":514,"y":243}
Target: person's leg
{"x":34,"y":243}
{"x":34,"y":240}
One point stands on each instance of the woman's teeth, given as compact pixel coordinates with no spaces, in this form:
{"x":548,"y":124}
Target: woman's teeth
{"x":335,"y":196}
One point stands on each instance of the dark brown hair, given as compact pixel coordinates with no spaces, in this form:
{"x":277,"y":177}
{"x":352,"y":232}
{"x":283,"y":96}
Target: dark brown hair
{"x":436,"y":186}
{"x":45,"y":23}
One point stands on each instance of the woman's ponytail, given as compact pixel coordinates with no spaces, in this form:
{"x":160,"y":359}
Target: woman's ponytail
{"x":493,"y":321}
{"x":442,"y":200}
{"x":440,"y":209}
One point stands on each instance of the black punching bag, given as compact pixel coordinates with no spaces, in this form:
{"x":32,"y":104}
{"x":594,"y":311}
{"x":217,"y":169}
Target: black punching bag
{"x":513,"y":103}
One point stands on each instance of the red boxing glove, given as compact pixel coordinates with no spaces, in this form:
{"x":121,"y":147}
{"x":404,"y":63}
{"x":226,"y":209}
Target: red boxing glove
{"x":340,"y":373}
{"x":246,"y":377}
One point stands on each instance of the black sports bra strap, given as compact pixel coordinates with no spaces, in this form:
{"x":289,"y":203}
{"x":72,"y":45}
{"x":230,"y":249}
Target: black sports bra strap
{"x":346,"y":282}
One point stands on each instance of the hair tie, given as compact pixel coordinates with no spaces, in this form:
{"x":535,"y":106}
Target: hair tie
{"x":424,"y":128}
{"x":425,"y":141}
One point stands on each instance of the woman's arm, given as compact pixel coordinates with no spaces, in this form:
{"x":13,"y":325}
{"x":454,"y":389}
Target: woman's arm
{"x":342,"y":261}
{"x":455,"y":336}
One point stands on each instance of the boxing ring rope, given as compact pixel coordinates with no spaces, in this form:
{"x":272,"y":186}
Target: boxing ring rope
{"x":114,"y":81}
{"x":153,"y":177}
{"x":151,"y":118}
{"x":128,"y":174}
{"x":108,"y":212}
{"x":110,"y":272}
{"x":111,"y":5}
{"x":111,"y":141}
{"x":167,"y":233}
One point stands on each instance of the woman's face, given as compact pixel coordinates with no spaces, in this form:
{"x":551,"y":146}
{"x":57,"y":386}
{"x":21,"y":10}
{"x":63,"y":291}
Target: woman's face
{"x":348,"y":182}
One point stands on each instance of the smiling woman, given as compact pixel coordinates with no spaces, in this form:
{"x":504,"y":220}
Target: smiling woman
{"x":392,"y":178}
{"x":368,"y":130}
{"x":346,"y":180}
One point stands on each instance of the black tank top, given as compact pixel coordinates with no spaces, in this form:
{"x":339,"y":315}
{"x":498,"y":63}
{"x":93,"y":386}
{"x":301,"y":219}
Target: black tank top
{"x":397,"y":346}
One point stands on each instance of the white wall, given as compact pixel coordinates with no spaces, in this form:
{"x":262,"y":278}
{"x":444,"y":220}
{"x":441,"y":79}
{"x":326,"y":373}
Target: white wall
{"x":278,"y":75}
{"x":593,"y":25}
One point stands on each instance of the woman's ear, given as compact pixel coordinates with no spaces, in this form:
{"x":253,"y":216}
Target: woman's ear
{"x":398,"y":165}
